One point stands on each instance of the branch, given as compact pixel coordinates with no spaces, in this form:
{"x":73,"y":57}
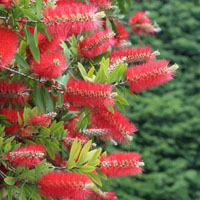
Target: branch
{"x":21,"y":20}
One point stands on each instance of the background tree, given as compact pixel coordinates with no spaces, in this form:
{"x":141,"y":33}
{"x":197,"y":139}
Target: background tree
{"x":167,"y":117}
{"x":64,"y":74}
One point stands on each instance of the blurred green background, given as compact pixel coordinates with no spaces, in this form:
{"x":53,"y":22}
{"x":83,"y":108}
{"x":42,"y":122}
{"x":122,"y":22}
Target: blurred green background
{"x":168,"y":117}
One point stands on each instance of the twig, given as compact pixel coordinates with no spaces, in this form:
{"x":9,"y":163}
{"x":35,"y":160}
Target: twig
{"x":2,"y":174}
{"x":21,"y":20}
{"x":120,"y":83}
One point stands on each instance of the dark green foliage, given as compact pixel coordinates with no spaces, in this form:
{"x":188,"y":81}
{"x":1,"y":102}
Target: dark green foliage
{"x":168,"y":117}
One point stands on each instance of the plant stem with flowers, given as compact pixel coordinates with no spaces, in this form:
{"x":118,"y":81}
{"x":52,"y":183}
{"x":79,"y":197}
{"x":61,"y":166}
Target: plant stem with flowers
{"x":65,"y":71}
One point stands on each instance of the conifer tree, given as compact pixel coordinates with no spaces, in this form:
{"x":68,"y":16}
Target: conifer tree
{"x":65,"y":69}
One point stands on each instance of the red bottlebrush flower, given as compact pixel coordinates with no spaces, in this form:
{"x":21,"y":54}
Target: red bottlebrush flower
{"x":65,"y":2}
{"x":6,"y":2}
{"x":83,"y":93}
{"x":131,"y":55}
{"x":145,"y":76}
{"x":29,"y":155}
{"x":14,"y":129}
{"x":42,"y":120}
{"x":49,"y":46}
{"x":122,"y":36}
{"x":121,"y":164}
{"x":64,"y":185}
{"x":96,"y":44}
{"x":68,"y":140}
{"x":141,"y":23}
{"x":8,"y":46}
{"x":51,"y":65}
{"x":102,"y":4}
{"x":103,"y":195}
{"x":12,"y":92}
{"x":118,"y":126}
{"x":69,"y":19}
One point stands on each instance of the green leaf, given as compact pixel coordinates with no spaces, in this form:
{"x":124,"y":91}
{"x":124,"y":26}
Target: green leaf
{"x":122,"y":100}
{"x":9,"y":180}
{"x":82,"y":70}
{"x":86,"y":169}
{"x":22,"y":195}
{"x":20,"y":60}
{"x":91,"y":72}
{"x":48,"y":100}
{"x":110,"y":108}
{"x":29,"y":14}
{"x":95,"y":178}
{"x":39,"y":8}
{"x":103,"y":73}
{"x":19,"y":119}
{"x":84,"y":152}
{"x":101,"y":174}
{"x":32,"y":44}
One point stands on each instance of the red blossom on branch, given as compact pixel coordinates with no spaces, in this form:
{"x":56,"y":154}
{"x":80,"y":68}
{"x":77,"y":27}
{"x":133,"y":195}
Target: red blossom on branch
{"x":121,"y":164}
{"x":117,"y":125}
{"x":83,"y":93}
{"x":12,"y":93}
{"x":8,"y":45}
{"x":69,"y":19}
{"x":62,"y":185}
{"x":29,"y":156}
{"x":151,"y":74}
{"x":132,"y":55}
{"x":6,"y":2}
{"x":51,"y":65}
{"x":141,"y":23}
{"x":96,"y":44}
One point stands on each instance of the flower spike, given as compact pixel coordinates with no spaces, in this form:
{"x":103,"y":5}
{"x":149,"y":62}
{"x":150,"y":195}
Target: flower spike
{"x":64,"y":185}
{"x":83,"y":93}
{"x":29,"y":155}
{"x":68,"y":19}
{"x":121,"y":164}
{"x":118,"y":126}
{"x":8,"y":46}
{"x":51,"y":65}
{"x":151,"y":74}
{"x":96,"y":44}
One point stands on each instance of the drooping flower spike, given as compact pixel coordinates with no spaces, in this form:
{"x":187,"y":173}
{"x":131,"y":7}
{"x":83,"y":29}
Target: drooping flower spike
{"x":102,"y":4}
{"x":41,"y":120}
{"x":151,"y":74}
{"x":83,"y":93}
{"x":131,"y":55}
{"x":64,"y":185}
{"x":8,"y":46}
{"x":99,"y":195}
{"x":29,"y":156}
{"x":122,"y":37}
{"x":51,"y":65}
{"x":121,"y":164}
{"x":6,"y":2}
{"x":12,"y":93}
{"x":119,"y":128}
{"x":69,"y":19}
{"x":96,"y":44}
{"x":141,"y":23}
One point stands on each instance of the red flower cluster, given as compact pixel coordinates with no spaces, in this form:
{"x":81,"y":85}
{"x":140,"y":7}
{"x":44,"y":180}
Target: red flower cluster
{"x":12,"y":93}
{"x":41,"y":120}
{"x":29,"y":155}
{"x":64,"y":185}
{"x":151,"y":74}
{"x":51,"y":65}
{"x":6,"y":2}
{"x":141,"y":23}
{"x":83,"y":93}
{"x":8,"y":45}
{"x":121,"y":164}
{"x":96,"y":44}
{"x":118,"y":126}
{"x":103,"y":196}
{"x":68,"y":19}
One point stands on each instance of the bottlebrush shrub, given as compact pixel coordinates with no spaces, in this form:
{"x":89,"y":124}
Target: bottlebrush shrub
{"x":64,"y":76}
{"x":8,"y":45}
